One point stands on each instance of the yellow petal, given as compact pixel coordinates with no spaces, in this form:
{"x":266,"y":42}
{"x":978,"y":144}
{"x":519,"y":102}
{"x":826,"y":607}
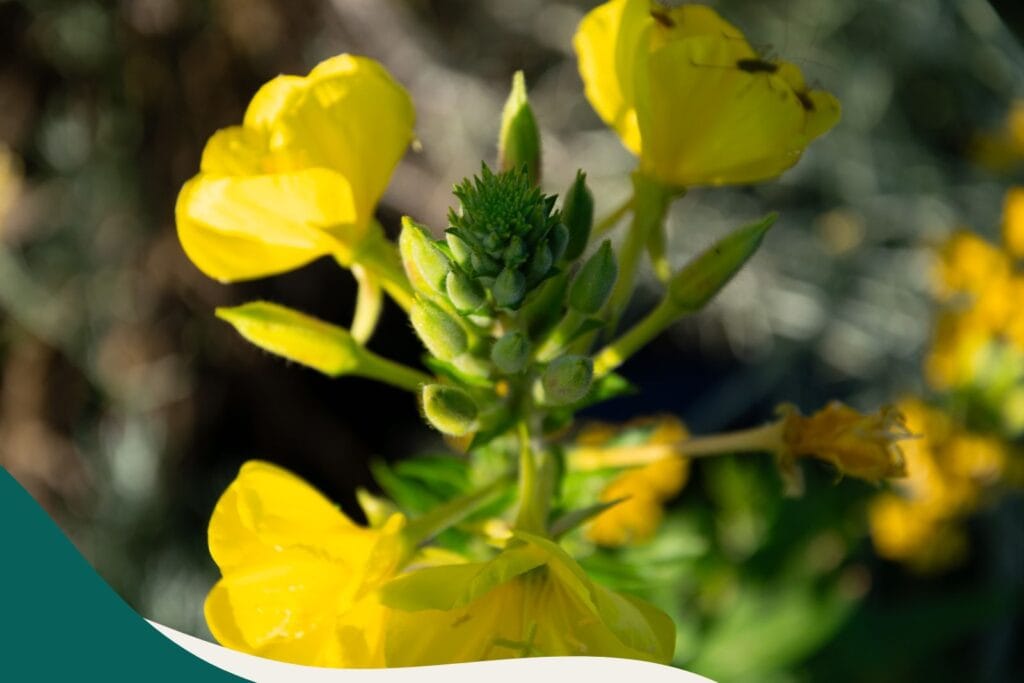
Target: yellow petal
{"x":1013,"y":219}
{"x":285,"y":610}
{"x":749,"y":126}
{"x":552,"y":609}
{"x":608,"y":43}
{"x":267,"y":509}
{"x":348,"y":115}
{"x":241,"y":227}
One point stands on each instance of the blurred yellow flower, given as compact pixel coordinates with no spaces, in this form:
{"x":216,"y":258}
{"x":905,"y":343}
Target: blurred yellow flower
{"x":980,"y":320}
{"x":299,"y":578}
{"x":642,"y":490}
{"x":857,"y":445}
{"x":10,"y":181}
{"x":532,"y":599}
{"x":949,"y":472}
{"x":300,"y":178}
{"x":968,"y":264}
{"x":686,"y":93}
{"x":1013,"y":219}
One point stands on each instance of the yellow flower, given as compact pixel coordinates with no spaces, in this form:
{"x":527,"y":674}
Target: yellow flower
{"x":1013,"y":217}
{"x":10,"y":181}
{"x":968,"y":264}
{"x":641,"y":491}
{"x":857,"y":445}
{"x":949,"y":470}
{"x":300,"y":178}
{"x":531,"y":600}
{"x":299,"y":578}
{"x":688,"y":95}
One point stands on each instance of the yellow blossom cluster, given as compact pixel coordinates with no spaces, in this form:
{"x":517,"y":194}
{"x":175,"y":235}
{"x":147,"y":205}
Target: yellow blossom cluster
{"x":949,"y":471}
{"x":637,"y":495}
{"x":978,"y":339}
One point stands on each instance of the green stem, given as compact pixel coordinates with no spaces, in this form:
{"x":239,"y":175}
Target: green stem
{"x":616,"y":353}
{"x":611,"y":220}
{"x":529,"y":516}
{"x":424,"y":528}
{"x":650,"y":206}
{"x":379,"y":256}
{"x":383,"y":370}
{"x":560,"y":335}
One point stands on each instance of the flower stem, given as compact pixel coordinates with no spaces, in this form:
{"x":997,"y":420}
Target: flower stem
{"x":611,"y":220}
{"x":650,"y":206}
{"x":616,"y":353}
{"x":388,"y":371}
{"x":379,"y":256}
{"x":767,"y":438}
{"x":529,"y":517}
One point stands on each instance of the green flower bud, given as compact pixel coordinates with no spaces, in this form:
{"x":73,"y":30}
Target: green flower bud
{"x":441,"y":334}
{"x":471,"y":365}
{"x":449,"y":409}
{"x":540,"y":265}
{"x":559,"y":242}
{"x":567,"y":380}
{"x":509,"y":289}
{"x":424,"y":263}
{"x":519,"y":140}
{"x":464,"y":292}
{"x":694,"y":285}
{"x":578,"y":216}
{"x":461,"y":251}
{"x":511,"y":352}
{"x":593,"y":284}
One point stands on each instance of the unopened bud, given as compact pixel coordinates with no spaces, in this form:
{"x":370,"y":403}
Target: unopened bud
{"x":593,"y":284}
{"x":461,"y":251}
{"x":464,"y":292}
{"x":424,"y":263}
{"x":694,"y":285}
{"x":578,"y":216}
{"x":449,"y":409}
{"x":441,"y":333}
{"x":509,"y":288}
{"x":511,"y":353}
{"x":519,"y":141}
{"x":567,"y":380}
{"x":540,"y":264}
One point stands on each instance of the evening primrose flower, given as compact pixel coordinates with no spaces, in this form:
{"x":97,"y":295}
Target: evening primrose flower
{"x":299,"y":578}
{"x":532,"y":599}
{"x":300,"y":178}
{"x":687,"y":93}
{"x":639,"y":493}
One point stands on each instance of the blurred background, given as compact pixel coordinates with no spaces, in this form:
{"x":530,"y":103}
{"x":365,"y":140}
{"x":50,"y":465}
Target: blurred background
{"x":126,"y":407}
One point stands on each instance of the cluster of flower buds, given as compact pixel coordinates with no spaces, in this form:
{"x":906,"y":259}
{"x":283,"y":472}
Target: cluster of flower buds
{"x":501,"y":298}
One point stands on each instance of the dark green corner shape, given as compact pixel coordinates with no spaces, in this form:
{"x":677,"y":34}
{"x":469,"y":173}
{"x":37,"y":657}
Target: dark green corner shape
{"x":59,"y":621}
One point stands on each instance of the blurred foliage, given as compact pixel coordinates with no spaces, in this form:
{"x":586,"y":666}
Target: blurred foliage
{"x":126,"y":407}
